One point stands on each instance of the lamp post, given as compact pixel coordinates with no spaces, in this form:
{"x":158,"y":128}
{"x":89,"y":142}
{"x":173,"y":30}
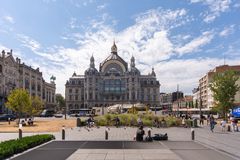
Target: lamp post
{"x":65,"y":112}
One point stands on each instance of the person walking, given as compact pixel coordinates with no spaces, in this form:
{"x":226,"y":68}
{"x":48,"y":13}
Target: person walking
{"x":212,"y":122}
{"x":201,"y":120}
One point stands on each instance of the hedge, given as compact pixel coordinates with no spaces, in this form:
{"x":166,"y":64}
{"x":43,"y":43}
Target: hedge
{"x":131,"y":119}
{"x":11,"y":147}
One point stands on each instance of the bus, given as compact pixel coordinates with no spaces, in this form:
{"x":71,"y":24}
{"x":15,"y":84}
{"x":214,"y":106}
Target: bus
{"x":81,"y":112}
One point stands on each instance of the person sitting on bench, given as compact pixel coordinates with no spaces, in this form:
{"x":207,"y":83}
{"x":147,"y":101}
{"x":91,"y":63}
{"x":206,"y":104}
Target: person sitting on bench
{"x":140,"y":133}
{"x":30,"y":122}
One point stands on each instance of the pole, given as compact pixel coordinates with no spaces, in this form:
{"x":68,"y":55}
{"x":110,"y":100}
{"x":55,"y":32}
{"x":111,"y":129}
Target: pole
{"x":65,"y":113}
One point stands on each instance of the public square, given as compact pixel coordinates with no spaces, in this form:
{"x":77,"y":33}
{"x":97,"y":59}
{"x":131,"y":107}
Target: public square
{"x":84,"y":143}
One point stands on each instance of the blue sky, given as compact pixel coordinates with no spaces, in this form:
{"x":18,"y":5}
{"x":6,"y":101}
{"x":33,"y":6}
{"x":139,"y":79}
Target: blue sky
{"x":181,"y":39}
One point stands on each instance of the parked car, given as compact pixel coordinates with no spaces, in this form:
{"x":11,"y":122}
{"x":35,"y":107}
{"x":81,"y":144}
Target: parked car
{"x":5,"y":117}
{"x":58,"y":115}
{"x":47,"y":113}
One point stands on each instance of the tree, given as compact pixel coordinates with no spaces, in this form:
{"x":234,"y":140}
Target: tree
{"x":18,"y":101}
{"x":36,"y":106}
{"x":224,"y":88}
{"x":60,"y":101}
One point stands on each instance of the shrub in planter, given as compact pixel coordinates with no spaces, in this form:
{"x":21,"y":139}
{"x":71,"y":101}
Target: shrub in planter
{"x":147,"y":122}
{"x":173,"y":121}
{"x":11,"y":147}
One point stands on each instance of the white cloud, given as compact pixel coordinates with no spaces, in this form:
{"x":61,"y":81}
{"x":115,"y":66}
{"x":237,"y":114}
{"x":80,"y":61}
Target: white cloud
{"x":101,"y":7}
{"x":171,"y":73}
{"x":227,"y":31}
{"x":73,"y":23}
{"x":216,"y":7}
{"x":29,"y":42}
{"x":2,"y":47}
{"x":196,"y":43}
{"x":9,"y":19}
{"x":148,"y":39}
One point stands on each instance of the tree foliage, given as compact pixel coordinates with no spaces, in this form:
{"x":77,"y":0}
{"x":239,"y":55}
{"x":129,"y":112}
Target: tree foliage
{"x":60,"y":101}
{"x":224,"y":88}
{"x":36,"y":106}
{"x":18,"y":101}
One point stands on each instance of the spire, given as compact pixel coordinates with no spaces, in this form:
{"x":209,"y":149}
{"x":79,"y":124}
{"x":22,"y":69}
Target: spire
{"x":92,"y":65}
{"x":132,"y":62}
{"x":74,"y":74}
{"x":114,"y":48}
{"x":153,"y":73}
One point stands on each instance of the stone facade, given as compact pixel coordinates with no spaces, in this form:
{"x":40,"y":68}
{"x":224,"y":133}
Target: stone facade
{"x":113,"y":83}
{"x":15,"y":74}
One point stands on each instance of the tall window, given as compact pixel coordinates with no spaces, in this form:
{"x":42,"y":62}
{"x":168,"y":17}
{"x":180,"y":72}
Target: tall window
{"x":0,"y":68}
{"x":114,"y":86}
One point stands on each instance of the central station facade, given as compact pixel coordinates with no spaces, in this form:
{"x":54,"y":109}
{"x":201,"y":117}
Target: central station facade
{"x":113,"y":83}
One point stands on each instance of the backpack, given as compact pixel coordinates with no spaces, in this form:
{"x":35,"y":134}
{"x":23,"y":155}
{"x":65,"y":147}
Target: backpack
{"x":148,"y":139}
{"x":160,"y":137}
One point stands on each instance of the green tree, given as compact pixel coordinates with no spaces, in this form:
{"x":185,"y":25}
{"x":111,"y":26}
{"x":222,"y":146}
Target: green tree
{"x":60,"y":101}
{"x":18,"y":101}
{"x":224,"y":88}
{"x":36,"y":106}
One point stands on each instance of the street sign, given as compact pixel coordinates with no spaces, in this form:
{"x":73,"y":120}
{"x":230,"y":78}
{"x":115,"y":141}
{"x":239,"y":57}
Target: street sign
{"x":236,"y":111}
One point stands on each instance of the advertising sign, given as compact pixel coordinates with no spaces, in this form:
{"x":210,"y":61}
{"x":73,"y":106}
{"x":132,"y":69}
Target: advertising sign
{"x":236,"y":111}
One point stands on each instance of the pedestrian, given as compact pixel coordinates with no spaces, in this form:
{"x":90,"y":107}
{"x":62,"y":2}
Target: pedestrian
{"x":201,"y":120}
{"x":233,"y":123}
{"x":208,"y":118}
{"x":223,"y":125}
{"x":212,"y":122}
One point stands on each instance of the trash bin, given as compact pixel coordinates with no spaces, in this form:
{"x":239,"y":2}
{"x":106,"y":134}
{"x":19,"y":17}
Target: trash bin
{"x":78,"y":122}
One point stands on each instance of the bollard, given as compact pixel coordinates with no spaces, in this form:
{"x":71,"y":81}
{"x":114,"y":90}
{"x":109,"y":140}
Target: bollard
{"x":63,"y":133}
{"x":9,"y":121}
{"x":78,"y":122}
{"x":20,"y":133}
{"x":193,"y":134}
{"x":106,"y":134}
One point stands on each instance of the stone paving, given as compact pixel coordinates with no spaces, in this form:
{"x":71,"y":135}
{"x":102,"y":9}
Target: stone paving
{"x":227,"y":143}
{"x":124,"y":154}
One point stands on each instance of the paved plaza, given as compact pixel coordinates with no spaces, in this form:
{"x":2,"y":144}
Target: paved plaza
{"x":84,"y":143}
